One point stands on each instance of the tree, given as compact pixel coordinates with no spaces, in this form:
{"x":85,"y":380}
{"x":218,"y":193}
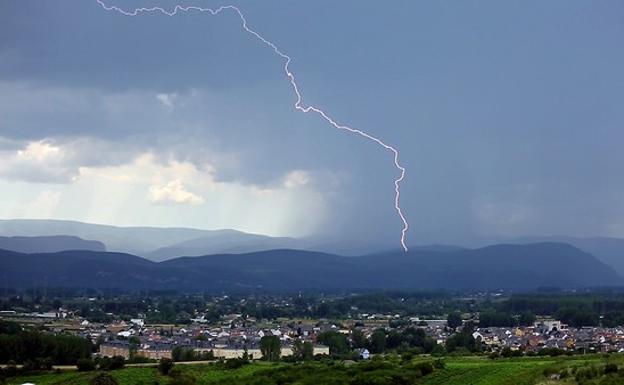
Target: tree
{"x":85,"y":365}
{"x":270,"y":348}
{"x":308,"y":351}
{"x":61,"y":349}
{"x":490,"y":318}
{"x":378,"y":341}
{"x":165,"y":365}
{"x":9,"y":327}
{"x":297,"y":349}
{"x":180,"y":353}
{"x":461,"y":340}
{"x":117,"y":362}
{"x":358,"y":339}
{"x":336,"y":342}
{"x":246,"y":355}
{"x":303,"y":351}
{"x":454,"y":320}
{"x":526,"y":318}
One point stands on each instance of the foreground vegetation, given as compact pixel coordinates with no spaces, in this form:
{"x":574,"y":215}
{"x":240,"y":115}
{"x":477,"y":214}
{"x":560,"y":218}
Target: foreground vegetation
{"x":391,"y":370}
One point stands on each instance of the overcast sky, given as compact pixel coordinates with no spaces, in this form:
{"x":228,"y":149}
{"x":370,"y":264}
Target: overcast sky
{"x":509,"y":117}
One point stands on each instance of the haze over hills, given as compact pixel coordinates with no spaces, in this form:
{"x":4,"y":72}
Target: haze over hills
{"x":222,"y":242}
{"x":494,"y":267}
{"x":608,"y":250}
{"x":49,"y":244}
{"x":159,"y":244}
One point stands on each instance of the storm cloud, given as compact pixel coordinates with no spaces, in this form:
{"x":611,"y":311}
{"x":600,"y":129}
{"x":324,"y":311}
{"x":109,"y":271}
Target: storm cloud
{"x":508,"y":118}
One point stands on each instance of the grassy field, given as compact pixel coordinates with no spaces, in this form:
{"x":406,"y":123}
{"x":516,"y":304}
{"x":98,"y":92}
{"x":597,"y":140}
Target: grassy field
{"x":457,"y":371}
{"x":481,"y":371}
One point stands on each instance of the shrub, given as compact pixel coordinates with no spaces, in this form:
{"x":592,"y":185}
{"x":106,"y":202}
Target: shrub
{"x":37,"y":364}
{"x":425,"y":367}
{"x":507,"y":352}
{"x":610,"y":368}
{"x":165,"y":365}
{"x":117,"y":362}
{"x":85,"y":365}
{"x":553,"y":352}
{"x":376,"y":365}
{"x":28,"y":366}
{"x":11,"y":369}
{"x":179,"y":378}
{"x":235,"y":363}
{"x":407,"y":356}
{"x":45,"y":363}
{"x":103,"y":379}
{"x":586,"y":373}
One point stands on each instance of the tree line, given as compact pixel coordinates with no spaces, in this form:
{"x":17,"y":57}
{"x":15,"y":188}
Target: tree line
{"x":27,"y":346}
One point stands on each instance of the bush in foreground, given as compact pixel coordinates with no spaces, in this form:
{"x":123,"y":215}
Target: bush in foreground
{"x":117,"y":362}
{"x":103,"y":379}
{"x":85,"y":365}
{"x":165,"y":365}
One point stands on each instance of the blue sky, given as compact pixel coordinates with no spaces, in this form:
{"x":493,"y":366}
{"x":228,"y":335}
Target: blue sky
{"x":508,"y":116}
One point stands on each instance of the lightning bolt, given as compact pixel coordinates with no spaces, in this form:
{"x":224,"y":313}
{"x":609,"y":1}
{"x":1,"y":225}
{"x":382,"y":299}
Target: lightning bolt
{"x":291,"y":77}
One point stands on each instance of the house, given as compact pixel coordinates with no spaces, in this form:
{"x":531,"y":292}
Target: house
{"x":364,"y":354}
{"x":138,"y":321}
{"x":548,"y":325}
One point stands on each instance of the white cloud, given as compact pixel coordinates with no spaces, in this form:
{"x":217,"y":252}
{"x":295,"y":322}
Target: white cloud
{"x":40,"y":151}
{"x":187,"y":159}
{"x":173,"y":192}
{"x":57,"y":161}
{"x":167,"y":100}
{"x":151,"y":191}
{"x":38,"y":161}
{"x":296,"y":178}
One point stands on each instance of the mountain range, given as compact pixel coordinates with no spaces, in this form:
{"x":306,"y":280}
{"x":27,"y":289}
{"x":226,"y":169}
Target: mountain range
{"x":75,"y":253}
{"x":159,"y":244}
{"x":495,"y":267}
{"x":49,"y":244}
{"x":608,"y":249}
{"x":155,"y":242}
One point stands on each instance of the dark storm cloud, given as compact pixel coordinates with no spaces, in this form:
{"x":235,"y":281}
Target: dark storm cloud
{"x":508,"y":117}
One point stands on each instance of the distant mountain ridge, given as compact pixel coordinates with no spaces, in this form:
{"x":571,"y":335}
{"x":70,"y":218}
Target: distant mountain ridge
{"x":49,"y":244}
{"x":222,"y":243}
{"x":606,"y":249}
{"x":150,"y":242}
{"x":159,"y":244}
{"x":493,"y":267}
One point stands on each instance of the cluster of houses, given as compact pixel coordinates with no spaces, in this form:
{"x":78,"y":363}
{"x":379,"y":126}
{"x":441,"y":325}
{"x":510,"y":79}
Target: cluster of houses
{"x":233,"y":337}
{"x":220,"y":341}
{"x":544,"y":333}
{"x":548,"y":333}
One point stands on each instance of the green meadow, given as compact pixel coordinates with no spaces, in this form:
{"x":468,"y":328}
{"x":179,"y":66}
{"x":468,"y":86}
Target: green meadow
{"x":455,"y":371}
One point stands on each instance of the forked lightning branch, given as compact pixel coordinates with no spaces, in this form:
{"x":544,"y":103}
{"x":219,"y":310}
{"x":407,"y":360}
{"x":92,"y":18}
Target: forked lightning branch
{"x":299,"y":99}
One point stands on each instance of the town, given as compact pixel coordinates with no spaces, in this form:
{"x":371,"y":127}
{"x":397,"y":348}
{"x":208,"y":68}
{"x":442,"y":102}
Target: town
{"x":216,"y":332}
